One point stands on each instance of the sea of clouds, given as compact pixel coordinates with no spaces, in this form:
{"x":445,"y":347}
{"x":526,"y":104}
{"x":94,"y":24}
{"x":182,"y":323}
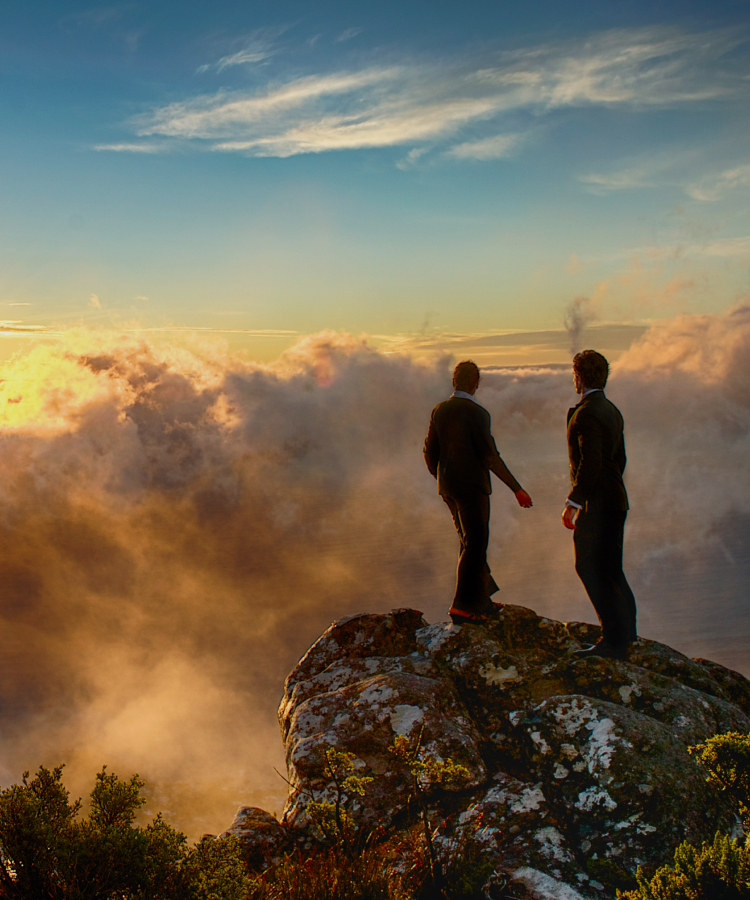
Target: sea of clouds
{"x":177,"y":527}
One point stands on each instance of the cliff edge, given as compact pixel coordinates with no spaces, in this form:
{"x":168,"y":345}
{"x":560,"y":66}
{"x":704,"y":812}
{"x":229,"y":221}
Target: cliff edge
{"x":579,"y":769}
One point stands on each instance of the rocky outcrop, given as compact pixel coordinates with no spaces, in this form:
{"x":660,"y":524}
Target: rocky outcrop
{"x":578,"y":769}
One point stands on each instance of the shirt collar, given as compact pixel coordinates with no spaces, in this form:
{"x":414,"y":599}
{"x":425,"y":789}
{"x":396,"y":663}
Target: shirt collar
{"x":590,"y":391}
{"x":464,"y":395}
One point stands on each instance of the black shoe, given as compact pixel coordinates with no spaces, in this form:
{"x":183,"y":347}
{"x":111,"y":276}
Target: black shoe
{"x":492,"y":609}
{"x":603,"y":650}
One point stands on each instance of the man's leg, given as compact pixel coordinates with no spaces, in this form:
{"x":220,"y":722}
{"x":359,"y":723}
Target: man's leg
{"x":598,"y":542}
{"x":474,"y":582}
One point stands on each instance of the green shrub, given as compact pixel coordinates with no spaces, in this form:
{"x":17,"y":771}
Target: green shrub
{"x":727,"y":758}
{"x":718,"y":871}
{"x":48,"y":852}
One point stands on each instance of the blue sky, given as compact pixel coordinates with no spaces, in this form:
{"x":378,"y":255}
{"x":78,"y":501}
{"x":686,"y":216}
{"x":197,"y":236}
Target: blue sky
{"x":434,"y":176}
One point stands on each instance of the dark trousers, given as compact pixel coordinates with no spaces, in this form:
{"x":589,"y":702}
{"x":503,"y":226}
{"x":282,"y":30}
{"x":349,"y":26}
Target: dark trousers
{"x":474,"y":581}
{"x":598,"y":543}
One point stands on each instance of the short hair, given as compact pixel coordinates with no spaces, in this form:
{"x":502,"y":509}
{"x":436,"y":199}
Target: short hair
{"x":465,"y":374}
{"x":591,"y":367}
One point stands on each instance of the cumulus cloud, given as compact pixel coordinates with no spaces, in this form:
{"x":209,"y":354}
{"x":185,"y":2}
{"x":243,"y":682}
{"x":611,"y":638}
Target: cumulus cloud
{"x":399,"y":105}
{"x":176,"y":528}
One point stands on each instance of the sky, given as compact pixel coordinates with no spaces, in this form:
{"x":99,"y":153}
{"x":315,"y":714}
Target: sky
{"x":412,"y":171}
{"x":242,"y":247}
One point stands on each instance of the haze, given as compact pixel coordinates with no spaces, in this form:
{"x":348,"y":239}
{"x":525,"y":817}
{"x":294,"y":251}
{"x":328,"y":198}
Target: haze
{"x":241,"y":248}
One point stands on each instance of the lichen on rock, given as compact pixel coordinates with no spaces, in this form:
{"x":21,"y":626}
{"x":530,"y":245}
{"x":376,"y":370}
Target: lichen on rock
{"x":578,"y":769}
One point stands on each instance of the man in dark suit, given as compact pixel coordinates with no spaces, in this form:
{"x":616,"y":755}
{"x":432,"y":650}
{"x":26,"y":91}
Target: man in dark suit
{"x":461,"y":452}
{"x":597,"y":505}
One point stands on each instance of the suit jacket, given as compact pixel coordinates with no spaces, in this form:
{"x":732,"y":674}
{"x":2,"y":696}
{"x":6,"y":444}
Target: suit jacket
{"x":596,"y":447}
{"x":460,"y":451}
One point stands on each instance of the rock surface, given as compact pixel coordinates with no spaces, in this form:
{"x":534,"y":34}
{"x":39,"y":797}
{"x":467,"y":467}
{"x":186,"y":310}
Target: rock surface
{"x":579,"y":769}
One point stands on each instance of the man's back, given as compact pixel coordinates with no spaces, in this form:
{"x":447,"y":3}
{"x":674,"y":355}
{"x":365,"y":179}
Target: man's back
{"x":596,"y":446}
{"x":460,"y":450}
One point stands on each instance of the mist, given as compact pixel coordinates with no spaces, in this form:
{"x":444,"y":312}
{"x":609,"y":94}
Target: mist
{"x":178,"y":526}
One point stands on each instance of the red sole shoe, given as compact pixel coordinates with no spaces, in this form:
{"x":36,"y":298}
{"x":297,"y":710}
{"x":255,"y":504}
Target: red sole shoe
{"x":459,"y":617}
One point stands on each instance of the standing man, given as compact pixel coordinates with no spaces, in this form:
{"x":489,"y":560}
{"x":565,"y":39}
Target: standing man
{"x":597,"y":505}
{"x":460,"y":452}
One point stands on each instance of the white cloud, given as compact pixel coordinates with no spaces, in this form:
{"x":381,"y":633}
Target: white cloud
{"x":131,"y":148}
{"x":414,"y":102}
{"x":488,"y":148}
{"x":95,"y":302}
{"x":669,"y":167}
{"x":244,"y":57}
{"x":616,"y":181}
{"x":411,"y":157}
{"x":715,"y":187}
{"x":254,"y":48}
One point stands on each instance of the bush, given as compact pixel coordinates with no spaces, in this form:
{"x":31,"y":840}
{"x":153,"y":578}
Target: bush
{"x":48,"y":852}
{"x":718,"y":870}
{"x":727,"y":758}
{"x":329,"y":875}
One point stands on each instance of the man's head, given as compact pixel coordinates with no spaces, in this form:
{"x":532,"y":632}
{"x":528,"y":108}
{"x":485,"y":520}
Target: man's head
{"x":590,"y":370}
{"x":466,"y":376}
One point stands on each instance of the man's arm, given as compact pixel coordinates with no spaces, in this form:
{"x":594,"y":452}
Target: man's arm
{"x":432,"y":449}
{"x":503,"y":473}
{"x":589,"y":435}
{"x":495,"y":464}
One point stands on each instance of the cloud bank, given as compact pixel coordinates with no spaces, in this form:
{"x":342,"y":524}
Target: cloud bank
{"x":176,"y":527}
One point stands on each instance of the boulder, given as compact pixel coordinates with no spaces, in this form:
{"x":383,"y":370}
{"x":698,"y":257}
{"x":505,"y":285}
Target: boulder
{"x":577,"y":770}
{"x":262,"y":836}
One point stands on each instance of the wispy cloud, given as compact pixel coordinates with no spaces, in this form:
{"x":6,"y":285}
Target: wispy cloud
{"x":186,"y":329}
{"x":488,"y":148}
{"x":666,"y":166}
{"x":349,"y":34}
{"x":254,"y":48}
{"x":18,"y":329}
{"x":598,"y":183}
{"x":394,"y":106}
{"x":481,"y":344}
{"x":729,"y":246}
{"x":737,"y":246}
{"x":673,"y":167}
{"x":131,"y":147}
{"x":716,"y":186}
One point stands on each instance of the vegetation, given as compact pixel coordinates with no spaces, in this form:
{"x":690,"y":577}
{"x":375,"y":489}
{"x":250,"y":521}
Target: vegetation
{"x":355,"y":862}
{"x":49,"y":851}
{"x":718,"y":870}
{"x":332,"y":819}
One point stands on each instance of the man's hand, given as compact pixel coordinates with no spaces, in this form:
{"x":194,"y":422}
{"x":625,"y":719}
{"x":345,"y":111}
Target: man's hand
{"x":523,"y":499}
{"x":569,"y":516}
